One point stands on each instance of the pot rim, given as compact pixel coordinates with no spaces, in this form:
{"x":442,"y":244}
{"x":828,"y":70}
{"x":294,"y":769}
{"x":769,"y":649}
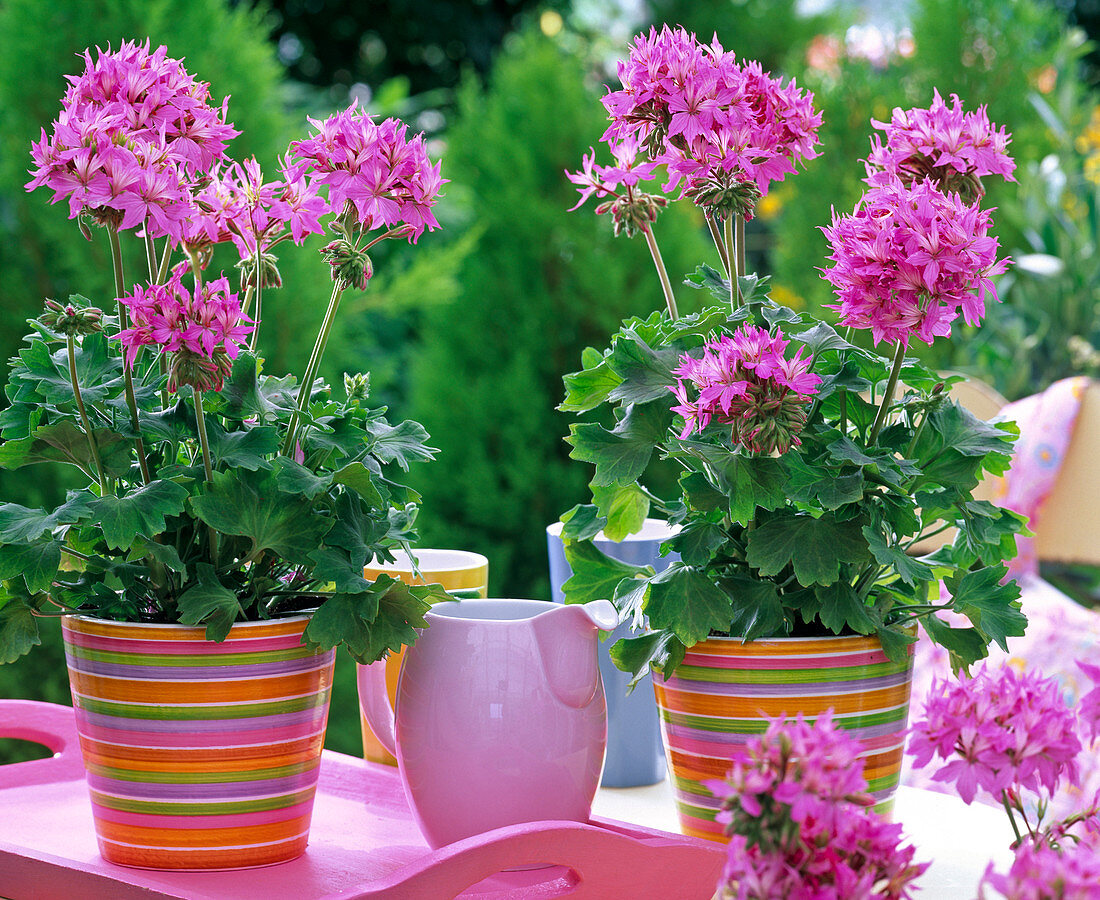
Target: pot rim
{"x":793,"y":640}
{"x":178,"y":625}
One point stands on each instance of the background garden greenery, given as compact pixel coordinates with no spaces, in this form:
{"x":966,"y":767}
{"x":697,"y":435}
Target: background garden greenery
{"x":472,"y":333}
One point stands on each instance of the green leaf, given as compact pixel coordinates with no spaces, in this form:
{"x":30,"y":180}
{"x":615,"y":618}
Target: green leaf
{"x":992,"y":607}
{"x":685,"y":601}
{"x":65,"y":442}
{"x":403,"y":444}
{"x":361,"y":532}
{"x":18,"y":631}
{"x":964,"y":645}
{"x":910,"y":569}
{"x":209,"y":602}
{"x":842,"y":608}
{"x":165,"y":554}
{"x":622,"y":454}
{"x":822,"y":337}
{"x":895,"y":642}
{"x":625,"y":508}
{"x":816,"y":548}
{"x":660,"y":649}
{"x":697,"y":541}
{"x":142,"y":511}
{"x":360,"y":479}
{"x":595,"y":574}
{"x":37,"y":562}
{"x":819,"y":485}
{"x":646,"y":374}
{"x":581,"y":523}
{"x":246,"y":395}
{"x":294,"y":478}
{"x":700,"y":494}
{"x":588,"y":388}
{"x":18,"y":523}
{"x":373,"y":622}
{"x":247,"y":449}
{"x":753,"y":482}
{"x":757,"y":610}
{"x":709,"y":278}
{"x":251,"y":505}
{"x":335,"y":566}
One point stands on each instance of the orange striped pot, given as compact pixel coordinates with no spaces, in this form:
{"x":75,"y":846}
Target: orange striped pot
{"x":199,"y":755}
{"x":725,"y":692}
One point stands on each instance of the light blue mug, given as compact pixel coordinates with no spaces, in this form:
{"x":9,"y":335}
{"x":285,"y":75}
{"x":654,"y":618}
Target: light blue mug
{"x":634,"y":753}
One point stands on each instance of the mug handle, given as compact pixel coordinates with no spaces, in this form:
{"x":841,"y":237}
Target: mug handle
{"x":374,"y":701}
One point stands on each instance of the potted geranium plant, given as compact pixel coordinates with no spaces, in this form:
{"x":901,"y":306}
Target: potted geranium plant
{"x":214,"y":559}
{"x":810,"y":464}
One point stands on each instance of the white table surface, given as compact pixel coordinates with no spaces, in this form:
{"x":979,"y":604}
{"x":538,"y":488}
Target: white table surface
{"x":959,"y":840}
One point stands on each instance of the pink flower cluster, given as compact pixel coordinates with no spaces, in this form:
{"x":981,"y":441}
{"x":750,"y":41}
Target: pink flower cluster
{"x":204,"y":325}
{"x":134,"y":129}
{"x":916,"y":251}
{"x":1040,"y":872}
{"x":745,"y":380}
{"x":386,"y":178}
{"x":603,"y":180}
{"x":941,"y":143}
{"x":1000,"y":730}
{"x":909,"y":259}
{"x":795,"y":805}
{"x":705,"y":115}
{"x":238,"y":205}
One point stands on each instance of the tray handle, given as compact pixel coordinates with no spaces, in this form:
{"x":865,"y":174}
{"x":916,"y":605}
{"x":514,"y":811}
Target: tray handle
{"x":49,"y":724}
{"x":605,"y":864}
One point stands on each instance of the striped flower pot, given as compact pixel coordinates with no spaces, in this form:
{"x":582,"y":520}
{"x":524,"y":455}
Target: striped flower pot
{"x":199,"y":755}
{"x":725,"y":691}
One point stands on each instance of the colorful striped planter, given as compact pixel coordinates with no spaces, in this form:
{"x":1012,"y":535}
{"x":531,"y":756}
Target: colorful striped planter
{"x":725,"y":691}
{"x":199,"y":755}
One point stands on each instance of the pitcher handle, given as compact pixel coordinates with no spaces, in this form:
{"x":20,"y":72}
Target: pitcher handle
{"x":374,"y":701}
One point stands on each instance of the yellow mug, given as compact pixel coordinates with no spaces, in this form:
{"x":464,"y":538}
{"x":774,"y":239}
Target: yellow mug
{"x":458,"y":571}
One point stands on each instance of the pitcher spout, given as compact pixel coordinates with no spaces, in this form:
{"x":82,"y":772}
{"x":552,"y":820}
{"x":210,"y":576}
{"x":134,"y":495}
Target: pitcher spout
{"x":566,"y":640}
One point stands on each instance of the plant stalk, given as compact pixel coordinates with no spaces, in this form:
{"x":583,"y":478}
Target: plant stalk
{"x":662,"y":272}
{"x":739,"y":240}
{"x":123,"y":321}
{"x":716,"y":236}
{"x":731,"y":248}
{"x":1011,"y":818}
{"x":200,"y":424}
{"x":888,"y":394}
{"x":319,"y":345}
{"x":258,"y":282}
{"x":92,"y":443}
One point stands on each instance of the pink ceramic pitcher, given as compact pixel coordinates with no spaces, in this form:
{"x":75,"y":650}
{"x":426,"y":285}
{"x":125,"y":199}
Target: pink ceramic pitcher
{"x":500,"y":715}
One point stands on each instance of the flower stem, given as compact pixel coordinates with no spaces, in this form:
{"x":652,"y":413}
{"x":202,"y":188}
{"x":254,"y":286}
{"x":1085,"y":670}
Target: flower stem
{"x":739,"y":241}
{"x":131,"y":400}
{"x":662,"y":273}
{"x":200,"y":424}
{"x":311,"y":367}
{"x":257,"y":281}
{"x":92,"y":443}
{"x":1011,"y":818}
{"x":734,"y":253}
{"x":150,"y":257}
{"x":165,"y":259}
{"x":720,"y":245}
{"x":888,"y":395}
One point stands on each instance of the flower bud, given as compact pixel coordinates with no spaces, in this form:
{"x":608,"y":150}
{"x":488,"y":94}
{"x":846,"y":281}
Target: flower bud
{"x":357,"y":386}
{"x":70,"y":319}
{"x":268,"y":269}
{"x":723,"y":194}
{"x":350,"y":266}
{"x":202,"y":373}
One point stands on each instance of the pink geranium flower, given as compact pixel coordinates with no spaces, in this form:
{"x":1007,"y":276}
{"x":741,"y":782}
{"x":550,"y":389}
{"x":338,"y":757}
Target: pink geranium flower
{"x":909,"y":259}
{"x":952,"y":148}
{"x":746,"y":381}
{"x":998,"y":730}
{"x":795,"y":804}
{"x":202,"y":328}
{"x":372,"y":168}
{"x":1040,"y":872}
{"x":709,"y":118}
{"x":135,"y":130}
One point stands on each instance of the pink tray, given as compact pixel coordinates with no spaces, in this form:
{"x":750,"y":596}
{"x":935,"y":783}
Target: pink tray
{"x":364,"y":844}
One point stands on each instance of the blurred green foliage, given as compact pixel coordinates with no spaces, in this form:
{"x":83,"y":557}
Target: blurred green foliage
{"x":540,"y":285}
